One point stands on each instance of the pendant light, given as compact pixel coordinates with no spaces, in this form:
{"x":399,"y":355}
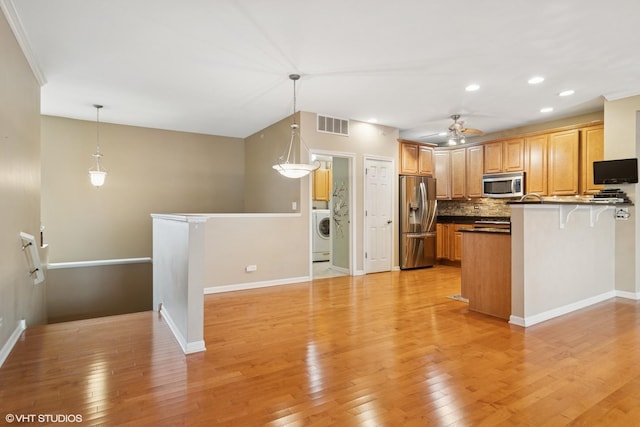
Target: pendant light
{"x":98,"y":174}
{"x":285,"y":166}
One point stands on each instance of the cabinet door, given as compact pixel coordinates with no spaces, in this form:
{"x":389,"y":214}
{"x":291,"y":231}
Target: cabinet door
{"x":475,"y":168}
{"x":563,"y":163}
{"x":493,"y":157}
{"x":408,"y":159}
{"x":456,"y":243}
{"x":458,"y":173}
{"x":321,"y":184}
{"x":425,"y":160}
{"x":513,"y":159}
{"x":536,"y":165}
{"x":443,"y":170}
{"x":442,"y":236}
{"x":591,"y":150}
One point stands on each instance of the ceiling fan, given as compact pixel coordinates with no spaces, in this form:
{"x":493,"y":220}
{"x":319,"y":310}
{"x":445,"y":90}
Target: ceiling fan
{"x":458,"y":133}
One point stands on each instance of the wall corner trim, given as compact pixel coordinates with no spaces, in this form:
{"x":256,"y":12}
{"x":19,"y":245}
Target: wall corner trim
{"x":187,"y":347}
{"x":11,"y":14}
{"x":11,"y":342}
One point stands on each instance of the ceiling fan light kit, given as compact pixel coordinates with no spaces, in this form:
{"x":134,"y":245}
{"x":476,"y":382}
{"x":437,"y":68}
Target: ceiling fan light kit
{"x":458,"y":133}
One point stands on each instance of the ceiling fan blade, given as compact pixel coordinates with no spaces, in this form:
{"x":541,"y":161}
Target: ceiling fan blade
{"x":472,"y":132}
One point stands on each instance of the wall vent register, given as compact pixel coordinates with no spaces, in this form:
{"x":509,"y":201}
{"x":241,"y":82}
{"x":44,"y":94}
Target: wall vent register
{"x":332,"y":125}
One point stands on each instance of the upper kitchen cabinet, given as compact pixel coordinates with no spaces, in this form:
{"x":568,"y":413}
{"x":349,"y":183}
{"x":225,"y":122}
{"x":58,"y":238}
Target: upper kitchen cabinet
{"x":504,"y":156}
{"x":458,"y":173}
{"x":321,"y":184}
{"x":536,"y":149}
{"x":591,"y":150}
{"x":564,"y":152}
{"x":475,"y":169}
{"x":416,"y":158}
{"x":442,"y":162}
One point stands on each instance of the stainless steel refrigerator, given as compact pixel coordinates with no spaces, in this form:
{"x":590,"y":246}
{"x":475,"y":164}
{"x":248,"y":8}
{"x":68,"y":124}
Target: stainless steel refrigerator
{"x":418,"y":206}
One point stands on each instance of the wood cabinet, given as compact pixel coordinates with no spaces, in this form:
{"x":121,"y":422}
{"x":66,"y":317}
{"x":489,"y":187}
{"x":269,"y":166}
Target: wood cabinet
{"x":486,"y":273}
{"x":513,"y":155}
{"x":321,"y":187}
{"x":442,"y":161}
{"x":449,"y":241}
{"x":493,"y":157}
{"x":591,"y":150}
{"x":504,"y":156}
{"x":455,"y":254}
{"x":458,"y":173}
{"x":416,"y":158}
{"x":475,"y":170}
{"x":442,"y":241}
{"x":563,"y":163}
{"x":536,"y":148}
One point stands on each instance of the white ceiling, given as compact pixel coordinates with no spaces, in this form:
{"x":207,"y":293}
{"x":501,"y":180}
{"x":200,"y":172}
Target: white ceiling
{"x":221,"y":66}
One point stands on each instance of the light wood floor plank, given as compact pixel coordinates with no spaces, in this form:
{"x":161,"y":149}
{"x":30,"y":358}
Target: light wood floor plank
{"x":387,"y":349}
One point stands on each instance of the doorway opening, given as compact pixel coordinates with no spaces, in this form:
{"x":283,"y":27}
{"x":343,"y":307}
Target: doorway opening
{"x":332,"y":202}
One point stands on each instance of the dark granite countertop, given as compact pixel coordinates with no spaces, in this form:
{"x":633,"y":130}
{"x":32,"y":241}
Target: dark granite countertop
{"x":568,"y":202}
{"x":486,"y":230}
{"x":471,"y":219}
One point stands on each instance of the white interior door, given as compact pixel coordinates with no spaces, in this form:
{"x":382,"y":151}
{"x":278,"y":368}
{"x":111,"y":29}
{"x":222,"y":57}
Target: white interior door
{"x":378,"y":215}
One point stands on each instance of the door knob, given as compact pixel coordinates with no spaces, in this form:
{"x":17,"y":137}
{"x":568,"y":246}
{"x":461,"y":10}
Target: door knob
{"x":389,"y":222}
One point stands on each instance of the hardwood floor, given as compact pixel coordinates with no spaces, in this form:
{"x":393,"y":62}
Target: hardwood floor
{"x":386,"y":349}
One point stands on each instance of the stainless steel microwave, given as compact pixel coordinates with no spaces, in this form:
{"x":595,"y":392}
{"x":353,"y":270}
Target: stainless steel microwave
{"x":503,"y":185}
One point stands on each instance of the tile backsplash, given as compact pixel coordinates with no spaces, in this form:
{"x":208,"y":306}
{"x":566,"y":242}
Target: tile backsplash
{"x":490,"y":207}
{"x":475,"y":207}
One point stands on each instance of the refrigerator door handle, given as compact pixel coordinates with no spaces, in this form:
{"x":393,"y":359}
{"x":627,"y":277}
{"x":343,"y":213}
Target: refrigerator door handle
{"x":423,"y":204}
{"x":432,"y":220}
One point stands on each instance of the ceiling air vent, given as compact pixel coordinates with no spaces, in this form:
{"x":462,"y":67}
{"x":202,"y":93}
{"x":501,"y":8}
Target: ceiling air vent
{"x":333,"y":125}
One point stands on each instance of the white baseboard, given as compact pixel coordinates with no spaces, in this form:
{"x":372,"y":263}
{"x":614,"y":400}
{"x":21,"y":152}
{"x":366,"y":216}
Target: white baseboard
{"x":628,"y":295}
{"x":559,"y":311}
{"x":187,"y":347}
{"x":11,"y":342}
{"x":254,"y":285}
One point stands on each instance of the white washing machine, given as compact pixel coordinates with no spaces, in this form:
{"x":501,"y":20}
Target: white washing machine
{"x":321,"y":235}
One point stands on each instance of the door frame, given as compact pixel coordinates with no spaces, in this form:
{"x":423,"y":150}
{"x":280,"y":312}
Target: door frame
{"x":394,"y":211}
{"x":351,"y":159}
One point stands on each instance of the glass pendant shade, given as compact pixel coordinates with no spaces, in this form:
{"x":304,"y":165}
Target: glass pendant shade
{"x":284,"y":165}
{"x":98,"y":174}
{"x":97,"y":178}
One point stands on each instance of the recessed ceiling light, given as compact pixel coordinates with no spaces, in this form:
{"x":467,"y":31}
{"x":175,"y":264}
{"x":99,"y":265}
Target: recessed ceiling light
{"x":472,"y":87}
{"x":443,"y":134}
{"x":567,"y":92}
{"x":546,"y":109}
{"x":535,"y":80}
{"x":373,"y":120}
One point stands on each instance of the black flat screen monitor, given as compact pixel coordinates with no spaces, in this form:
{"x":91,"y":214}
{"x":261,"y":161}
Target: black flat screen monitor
{"x":615,"y":171}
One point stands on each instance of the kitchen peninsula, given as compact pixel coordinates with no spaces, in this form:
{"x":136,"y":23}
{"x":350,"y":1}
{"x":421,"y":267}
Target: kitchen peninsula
{"x":562,"y":258}
{"x":486,"y":270}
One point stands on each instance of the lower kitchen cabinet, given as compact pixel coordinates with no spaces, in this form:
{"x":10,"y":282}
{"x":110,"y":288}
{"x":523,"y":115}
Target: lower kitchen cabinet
{"x":486,"y":273}
{"x":449,"y":241}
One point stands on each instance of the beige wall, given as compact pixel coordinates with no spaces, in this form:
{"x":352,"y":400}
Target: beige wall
{"x":149,"y":171}
{"x":266,"y":191}
{"x":554,"y":124}
{"x":19,"y":186}
{"x":365,"y":139}
{"x":622,"y":140}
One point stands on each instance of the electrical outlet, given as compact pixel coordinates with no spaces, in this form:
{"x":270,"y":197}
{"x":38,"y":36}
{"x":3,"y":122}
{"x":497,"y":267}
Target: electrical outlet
{"x":250,"y":268}
{"x":476,"y":207}
{"x":622,"y":214}
{"x":294,"y":206}
{"x":1,"y":322}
